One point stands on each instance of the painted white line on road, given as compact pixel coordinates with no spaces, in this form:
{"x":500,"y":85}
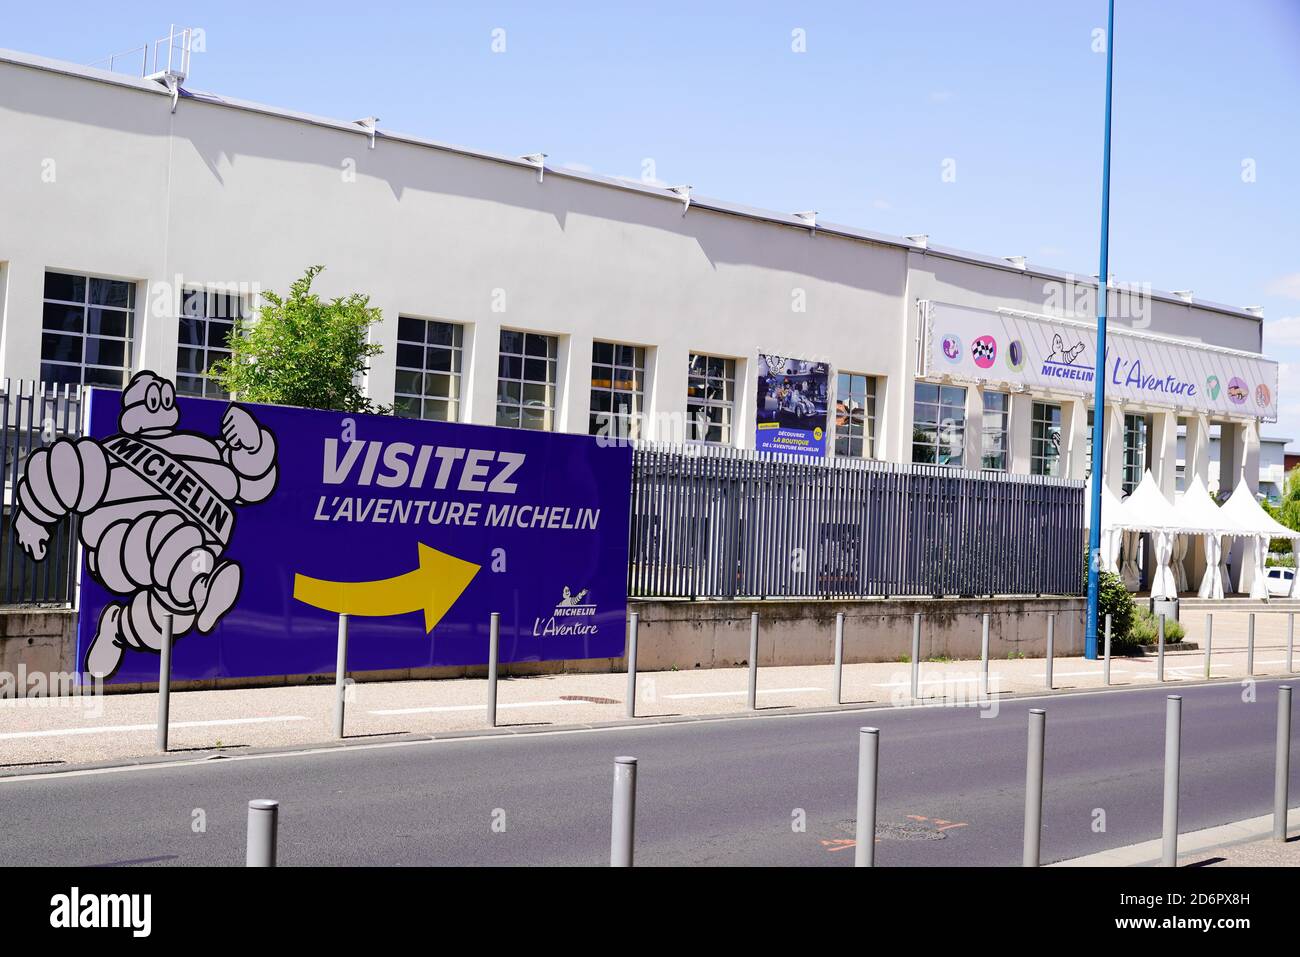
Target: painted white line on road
{"x":734,"y":694}
{"x":443,"y":709}
{"x":124,"y":728}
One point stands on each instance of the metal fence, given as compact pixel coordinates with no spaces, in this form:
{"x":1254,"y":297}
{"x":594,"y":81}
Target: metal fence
{"x":32,"y":416}
{"x":724,"y":523}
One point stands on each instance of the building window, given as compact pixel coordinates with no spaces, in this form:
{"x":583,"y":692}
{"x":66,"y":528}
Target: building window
{"x":1045,"y":440}
{"x":1087,"y":466}
{"x":207,"y":321}
{"x":939,"y":424}
{"x":617,"y":390}
{"x":855,"y":415}
{"x":526,"y":381}
{"x":997,"y":411}
{"x":710,"y":399}
{"x":1135,"y":451}
{"x":88,"y":330}
{"x":427,"y":385}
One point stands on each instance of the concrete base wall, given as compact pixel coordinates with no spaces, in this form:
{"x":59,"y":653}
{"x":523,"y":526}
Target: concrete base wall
{"x":675,"y":635}
{"x":716,"y":635}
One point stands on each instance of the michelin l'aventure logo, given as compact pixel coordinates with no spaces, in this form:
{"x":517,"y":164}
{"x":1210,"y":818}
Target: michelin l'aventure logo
{"x":570,"y":611}
{"x":157,"y":507}
{"x":1060,"y":362}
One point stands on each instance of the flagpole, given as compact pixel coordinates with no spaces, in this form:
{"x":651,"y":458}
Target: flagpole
{"x":1099,"y":377}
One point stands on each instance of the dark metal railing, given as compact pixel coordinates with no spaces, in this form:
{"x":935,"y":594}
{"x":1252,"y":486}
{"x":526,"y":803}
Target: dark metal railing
{"x":33,"y":415}
{"x":712,"y":522}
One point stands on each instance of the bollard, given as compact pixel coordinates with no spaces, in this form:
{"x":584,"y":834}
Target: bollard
{"x":1282,"y":766}
{"x":839,"y":658}
{"x":1160,"y":647}
{"x":916,"y":657}
{"x":1105,"y":668}
{"x":633,"y":625}
{"x":263,"y":830}
{"x":340,"y":681}
{"x":1034,"y":787}
{"x":623,"y":828}
{"x":164,"y":681}
{"x":1209,"y":640}
{"x":1051,"y":643}
{"x":1173,"y":751}
{"x":984,"y":656}
{"x":494,"y":652}
{"x":753,"y":662}
{"x":1250,"y":644}
{"x":864,"y":854}
{"x":1290,"y":642}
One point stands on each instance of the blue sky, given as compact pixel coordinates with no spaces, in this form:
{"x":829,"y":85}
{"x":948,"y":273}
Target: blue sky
{"x":857,"y":126}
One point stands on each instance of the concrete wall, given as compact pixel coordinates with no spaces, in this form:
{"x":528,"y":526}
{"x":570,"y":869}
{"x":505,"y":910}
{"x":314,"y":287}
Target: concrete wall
{"x":36,"y":640}
{"x":680,"y":636}
{"x":716,"y":635}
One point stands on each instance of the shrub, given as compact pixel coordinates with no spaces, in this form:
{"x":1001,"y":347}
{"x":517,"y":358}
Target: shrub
{"x":1113,"y":599}
{"x":1145,"y":630}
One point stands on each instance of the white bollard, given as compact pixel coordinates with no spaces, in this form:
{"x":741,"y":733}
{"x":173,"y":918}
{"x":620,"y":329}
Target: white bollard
{"x":1173,"y":758}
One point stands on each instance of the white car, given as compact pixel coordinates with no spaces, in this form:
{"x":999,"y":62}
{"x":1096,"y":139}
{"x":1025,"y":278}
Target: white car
{"x":1280,"y":580}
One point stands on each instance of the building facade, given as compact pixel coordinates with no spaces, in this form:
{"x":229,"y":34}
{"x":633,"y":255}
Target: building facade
{"x":139,"y":219}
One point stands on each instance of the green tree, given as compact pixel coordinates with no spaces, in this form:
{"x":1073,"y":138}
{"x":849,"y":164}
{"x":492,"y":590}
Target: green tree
{"x":1287,"y":510}
{"x":301,"y":350}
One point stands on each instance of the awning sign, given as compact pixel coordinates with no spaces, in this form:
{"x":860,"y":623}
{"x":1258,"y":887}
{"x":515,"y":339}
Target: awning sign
{"x":1060,"y":354}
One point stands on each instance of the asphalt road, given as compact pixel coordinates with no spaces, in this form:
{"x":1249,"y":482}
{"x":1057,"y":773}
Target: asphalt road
{"x":717,"y":793}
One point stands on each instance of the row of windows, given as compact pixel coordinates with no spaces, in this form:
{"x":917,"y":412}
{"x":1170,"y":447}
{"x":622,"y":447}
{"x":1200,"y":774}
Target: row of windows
{"x":88,"y":331}
{"x":939,"y":429}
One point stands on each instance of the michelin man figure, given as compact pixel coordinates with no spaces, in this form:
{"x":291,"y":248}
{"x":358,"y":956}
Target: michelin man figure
{"x":157,"y":511}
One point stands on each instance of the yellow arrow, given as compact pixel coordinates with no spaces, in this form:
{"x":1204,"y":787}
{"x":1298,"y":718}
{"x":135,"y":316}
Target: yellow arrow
{"x":433,"y":587}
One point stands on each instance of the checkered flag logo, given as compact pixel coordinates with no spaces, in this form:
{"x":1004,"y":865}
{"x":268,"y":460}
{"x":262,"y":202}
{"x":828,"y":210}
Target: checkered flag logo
{"x":982,"y":349}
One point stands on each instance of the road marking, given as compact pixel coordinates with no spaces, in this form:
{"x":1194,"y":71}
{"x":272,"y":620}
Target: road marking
{"x":734,"y":694}
{"x":1079,"y":674}
{"x":125,"y":728}
{"x":442,"y":709}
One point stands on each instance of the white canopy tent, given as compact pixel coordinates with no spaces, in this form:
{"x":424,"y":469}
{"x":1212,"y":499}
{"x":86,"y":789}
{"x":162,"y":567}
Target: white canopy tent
{"x":1198,"y":510}
{"x":1111,"y":536}
{"x":1147,"y":510}
{"x":1247,"y":519}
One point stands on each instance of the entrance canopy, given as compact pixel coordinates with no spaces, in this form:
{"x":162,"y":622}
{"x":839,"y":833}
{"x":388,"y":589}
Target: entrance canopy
{"x":1194,"y":512}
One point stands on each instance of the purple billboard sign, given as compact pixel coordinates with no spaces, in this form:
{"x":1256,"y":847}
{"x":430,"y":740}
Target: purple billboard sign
{"x":254,"y":526}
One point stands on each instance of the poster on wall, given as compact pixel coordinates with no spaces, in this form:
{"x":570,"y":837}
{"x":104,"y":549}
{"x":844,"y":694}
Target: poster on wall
{"x":983,"y":345}
{"x":255,"y":526}
{"x":791,"y":405}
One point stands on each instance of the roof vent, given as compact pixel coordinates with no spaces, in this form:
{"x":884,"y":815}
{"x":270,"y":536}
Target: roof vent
{"x":370,"y":124}
{"x":1256,"y":311}
{"x":1184,"y":294}
{"x":1017,"y":261}
{"x":808,"y":217}
{"x":537,"y":161}
{"x":921,"y":239}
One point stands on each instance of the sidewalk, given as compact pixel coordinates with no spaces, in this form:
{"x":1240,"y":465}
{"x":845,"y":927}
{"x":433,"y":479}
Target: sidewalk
{"x":1242,"y":844}
{"x":43,"y":733}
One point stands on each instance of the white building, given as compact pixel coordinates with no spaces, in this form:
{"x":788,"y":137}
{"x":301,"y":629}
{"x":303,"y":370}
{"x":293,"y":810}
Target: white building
{"x":1272,"y":466}
{"x":137,"y":216}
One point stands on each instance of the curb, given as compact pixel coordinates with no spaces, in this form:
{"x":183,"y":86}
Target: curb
{"x":1148,"y":853}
